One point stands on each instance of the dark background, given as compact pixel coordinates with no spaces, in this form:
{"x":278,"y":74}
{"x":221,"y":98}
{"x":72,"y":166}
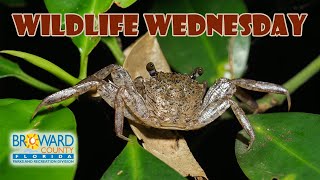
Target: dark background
{"x":271,"y":59}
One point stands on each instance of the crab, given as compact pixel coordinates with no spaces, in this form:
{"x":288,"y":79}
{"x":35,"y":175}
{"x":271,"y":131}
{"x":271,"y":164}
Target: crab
{"x":166,"y":100}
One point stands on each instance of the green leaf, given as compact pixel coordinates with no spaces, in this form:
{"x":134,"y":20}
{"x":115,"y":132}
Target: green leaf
{"x":78,"y":6}
{"x":124,"y":3}
{"x":14,"y":3}
{"x":84,"y":43}
{"x":211,"y":53}
{"x":8,"y":68}
{"x":45,"y":65}
{"x":136,"y":163}
{"x":15,"y":116}
{"x":286,"y":147}
{"x":11,"y":69}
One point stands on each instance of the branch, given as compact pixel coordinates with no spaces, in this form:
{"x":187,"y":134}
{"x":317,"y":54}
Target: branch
{"x":292,"y":85}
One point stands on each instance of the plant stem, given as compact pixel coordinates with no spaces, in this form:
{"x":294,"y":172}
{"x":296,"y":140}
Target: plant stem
{"x":36,"y":83}
{"x":44,"y":64}
{"x":115,"y":48}
{"x":293,"y":84}
{"x":304,"y":75}
{"x":83,"y":65}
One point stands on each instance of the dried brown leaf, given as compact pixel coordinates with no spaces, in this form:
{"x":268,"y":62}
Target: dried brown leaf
{"x":138,"y":55}
{"x":167,"y":145}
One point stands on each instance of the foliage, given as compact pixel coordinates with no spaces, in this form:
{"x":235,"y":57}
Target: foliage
{"x":134,"y":162}
{"x":282,"y":151}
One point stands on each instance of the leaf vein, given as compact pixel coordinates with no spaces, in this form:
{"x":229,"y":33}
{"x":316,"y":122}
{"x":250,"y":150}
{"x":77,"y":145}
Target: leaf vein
{"x":278,"y":142}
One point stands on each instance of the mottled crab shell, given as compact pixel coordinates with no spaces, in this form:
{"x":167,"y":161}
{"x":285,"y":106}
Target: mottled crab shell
{"x":172,"y":98}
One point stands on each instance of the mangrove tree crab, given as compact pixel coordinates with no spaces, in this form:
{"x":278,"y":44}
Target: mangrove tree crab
{"x":166,"y":100}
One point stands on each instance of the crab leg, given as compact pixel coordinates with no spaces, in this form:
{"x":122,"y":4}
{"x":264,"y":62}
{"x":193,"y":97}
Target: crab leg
{"x":263,"y":87}
{"x":104,"y":72}
{"x":243,"y":120}
{"x":213,"y":111}
{"x":218,"y":107}
{"x":133,"y":100}
{"x":221,"y":89}
{"x":82,"y":87}
{"x":119,"y":115}
{"x":131,"y":97}
{"x":108,"y":91}
{"x":247,"y":99}
{"x":66,"y":94}
{"x":123,"y":100}
{"x":139,"y":109}
{"x":123,"y":96}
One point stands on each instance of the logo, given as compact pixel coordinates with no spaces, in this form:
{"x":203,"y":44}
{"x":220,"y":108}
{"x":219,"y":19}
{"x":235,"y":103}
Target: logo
{"x":48,"y":148}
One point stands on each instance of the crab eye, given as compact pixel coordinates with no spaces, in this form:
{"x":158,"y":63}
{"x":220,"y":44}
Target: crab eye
{"x":151,"y":69}
{"x":196,"y":73}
